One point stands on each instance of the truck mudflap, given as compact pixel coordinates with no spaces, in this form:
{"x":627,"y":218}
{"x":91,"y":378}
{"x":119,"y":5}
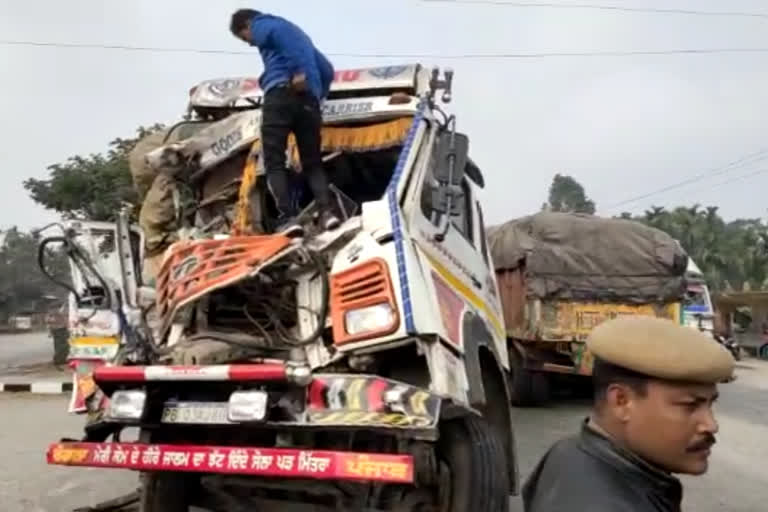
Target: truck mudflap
{"x":265,"y":462}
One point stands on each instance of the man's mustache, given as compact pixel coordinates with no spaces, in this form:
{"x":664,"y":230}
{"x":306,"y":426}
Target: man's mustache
{"x":703,"y":444}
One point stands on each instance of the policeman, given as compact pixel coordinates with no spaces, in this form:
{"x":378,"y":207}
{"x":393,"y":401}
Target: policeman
{"x":655,"y":385}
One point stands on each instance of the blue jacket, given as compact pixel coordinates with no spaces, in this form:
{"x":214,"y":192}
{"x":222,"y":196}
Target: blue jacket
{"x":286,"y":50}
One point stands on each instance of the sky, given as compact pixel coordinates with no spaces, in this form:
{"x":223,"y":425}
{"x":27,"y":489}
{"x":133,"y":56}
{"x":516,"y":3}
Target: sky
{"x":622,"y":126}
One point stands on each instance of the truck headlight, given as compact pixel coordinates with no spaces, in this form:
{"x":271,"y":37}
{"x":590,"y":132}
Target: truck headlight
{"x":127,"y":405}
{"x":363,"y":304}
{"x":371,"y":318}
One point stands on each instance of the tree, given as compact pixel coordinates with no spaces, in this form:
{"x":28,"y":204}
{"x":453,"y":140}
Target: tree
{"x":567,"y":195}
{"x":92,"y":187}
{"x":22,"y":286}
{"x":731,"y":254}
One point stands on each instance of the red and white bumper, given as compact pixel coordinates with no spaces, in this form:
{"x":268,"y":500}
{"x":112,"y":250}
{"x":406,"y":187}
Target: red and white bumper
{"x":264,"y":372}
{"x":267,"y":462}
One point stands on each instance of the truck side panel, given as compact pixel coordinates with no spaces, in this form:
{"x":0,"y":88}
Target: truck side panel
{"x":512,"y":291}
{"x":551,"y":334}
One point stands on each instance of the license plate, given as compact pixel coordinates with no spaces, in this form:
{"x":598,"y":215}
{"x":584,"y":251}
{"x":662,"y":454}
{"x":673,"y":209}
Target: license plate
{"x":211,"y":413}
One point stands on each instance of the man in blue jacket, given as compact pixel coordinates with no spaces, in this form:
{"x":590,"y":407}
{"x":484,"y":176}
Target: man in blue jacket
{"x":296,"y":79}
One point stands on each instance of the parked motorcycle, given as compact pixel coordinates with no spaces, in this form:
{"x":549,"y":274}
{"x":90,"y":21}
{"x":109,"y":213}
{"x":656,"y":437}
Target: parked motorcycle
{"x":728,"y":341}
{"x":731,"y":344}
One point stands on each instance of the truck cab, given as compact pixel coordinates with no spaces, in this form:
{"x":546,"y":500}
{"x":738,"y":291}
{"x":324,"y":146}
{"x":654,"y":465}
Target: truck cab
{"x":374,"y":353}
{"x":104,"y":260}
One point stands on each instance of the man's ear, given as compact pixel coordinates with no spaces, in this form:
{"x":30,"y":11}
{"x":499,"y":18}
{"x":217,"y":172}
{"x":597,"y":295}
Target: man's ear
{"x":619,"y":401}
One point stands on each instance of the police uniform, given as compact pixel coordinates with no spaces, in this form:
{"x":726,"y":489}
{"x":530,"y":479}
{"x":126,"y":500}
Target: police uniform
{"x":589,"y":472}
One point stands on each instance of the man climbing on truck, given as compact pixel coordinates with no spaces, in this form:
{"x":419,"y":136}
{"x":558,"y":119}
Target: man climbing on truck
{"x":296,"y":79}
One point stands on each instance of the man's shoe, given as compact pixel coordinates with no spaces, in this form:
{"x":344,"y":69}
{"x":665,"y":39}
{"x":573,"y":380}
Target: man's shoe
{"x":329,"y":222}
{"x":291,"y":229}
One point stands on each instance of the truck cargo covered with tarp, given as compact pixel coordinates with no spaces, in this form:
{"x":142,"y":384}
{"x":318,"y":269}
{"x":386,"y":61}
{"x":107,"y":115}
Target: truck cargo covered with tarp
{"x":582,"y":257}
{"x":562,"y":274}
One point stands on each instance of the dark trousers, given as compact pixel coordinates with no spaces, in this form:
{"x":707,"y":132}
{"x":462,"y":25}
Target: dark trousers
{"x":285,"y":111}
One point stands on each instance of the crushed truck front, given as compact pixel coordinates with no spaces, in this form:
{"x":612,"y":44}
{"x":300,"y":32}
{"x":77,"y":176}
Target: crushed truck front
{"x":372,"y":354}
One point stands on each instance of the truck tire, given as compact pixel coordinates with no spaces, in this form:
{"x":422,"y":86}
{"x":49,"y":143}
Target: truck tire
{"x":477,"y":464}
{"x":164,"y":492}
{"x":529,"y":389}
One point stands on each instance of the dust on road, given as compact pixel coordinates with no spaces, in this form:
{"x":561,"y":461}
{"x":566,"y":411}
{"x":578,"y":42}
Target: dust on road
{"x":737,"y":480}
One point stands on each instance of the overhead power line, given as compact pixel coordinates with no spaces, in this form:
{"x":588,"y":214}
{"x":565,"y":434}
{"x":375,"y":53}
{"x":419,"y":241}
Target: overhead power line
{"x":740,"y":178}
{"x":730,"y":181}
{"x":377,"y":55}
{"x":602,"y":7}
{"x":740,"y":163}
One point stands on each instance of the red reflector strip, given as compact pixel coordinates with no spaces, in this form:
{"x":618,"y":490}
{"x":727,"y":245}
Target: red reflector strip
{"x":376,"y":395}
{"x":324,"y":465}
{"x":317,"y":394}
{"x":242,"y":372}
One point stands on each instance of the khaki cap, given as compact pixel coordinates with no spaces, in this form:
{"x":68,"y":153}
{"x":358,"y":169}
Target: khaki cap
{"x":661,"y":349}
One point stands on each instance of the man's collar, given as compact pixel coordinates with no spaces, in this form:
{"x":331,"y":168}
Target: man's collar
{"x":600,"y":443}
{"x":592,"y":424}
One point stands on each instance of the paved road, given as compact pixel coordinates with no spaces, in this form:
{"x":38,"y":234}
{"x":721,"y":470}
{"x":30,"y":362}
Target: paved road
{"x":25,"y":349}
{"x":737,"y":481}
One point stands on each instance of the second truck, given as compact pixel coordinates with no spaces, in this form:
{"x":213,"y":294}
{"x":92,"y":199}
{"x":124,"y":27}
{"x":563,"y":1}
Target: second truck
{"x":561,"y":274}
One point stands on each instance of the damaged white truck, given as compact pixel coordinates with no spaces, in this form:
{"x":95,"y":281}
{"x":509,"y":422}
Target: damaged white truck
{"x":363,"y":368}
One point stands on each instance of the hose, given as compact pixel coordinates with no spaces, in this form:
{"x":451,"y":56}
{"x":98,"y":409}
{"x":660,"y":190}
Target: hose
{"x":274,"y":318}
{"x":324,"y":306}
{"x":41,"y":263}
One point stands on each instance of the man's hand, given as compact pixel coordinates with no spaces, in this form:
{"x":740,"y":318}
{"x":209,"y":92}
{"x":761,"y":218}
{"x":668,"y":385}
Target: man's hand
{"x":299,"y":82}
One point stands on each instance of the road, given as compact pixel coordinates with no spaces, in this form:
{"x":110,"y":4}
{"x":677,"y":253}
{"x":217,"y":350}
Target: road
{"x":737,"y":481}
{"x":25,"y":349}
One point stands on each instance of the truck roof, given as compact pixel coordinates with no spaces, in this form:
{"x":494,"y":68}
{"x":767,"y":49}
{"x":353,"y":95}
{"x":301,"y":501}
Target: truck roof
{"x":357,"y":96}
{"x":411,"y":79}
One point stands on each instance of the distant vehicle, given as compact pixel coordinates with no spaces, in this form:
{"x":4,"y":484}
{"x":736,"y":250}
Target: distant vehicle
{"x":698,"y":311}
{"x":21,"y":323}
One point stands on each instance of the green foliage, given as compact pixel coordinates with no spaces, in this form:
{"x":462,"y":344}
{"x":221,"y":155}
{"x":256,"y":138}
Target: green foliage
{"x":90,"y":187}
{"x":732,"y":255}
{"x":567,"y":195}
{"x":22,"y":286}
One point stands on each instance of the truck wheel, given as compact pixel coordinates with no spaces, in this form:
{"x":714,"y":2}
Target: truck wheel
{"x":164,"y":492}
{"x":477,"y":476}
{"x":529,"y":389}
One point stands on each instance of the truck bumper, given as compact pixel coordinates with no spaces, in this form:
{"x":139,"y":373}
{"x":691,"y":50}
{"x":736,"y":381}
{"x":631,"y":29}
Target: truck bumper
{"x":265,"y":462}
